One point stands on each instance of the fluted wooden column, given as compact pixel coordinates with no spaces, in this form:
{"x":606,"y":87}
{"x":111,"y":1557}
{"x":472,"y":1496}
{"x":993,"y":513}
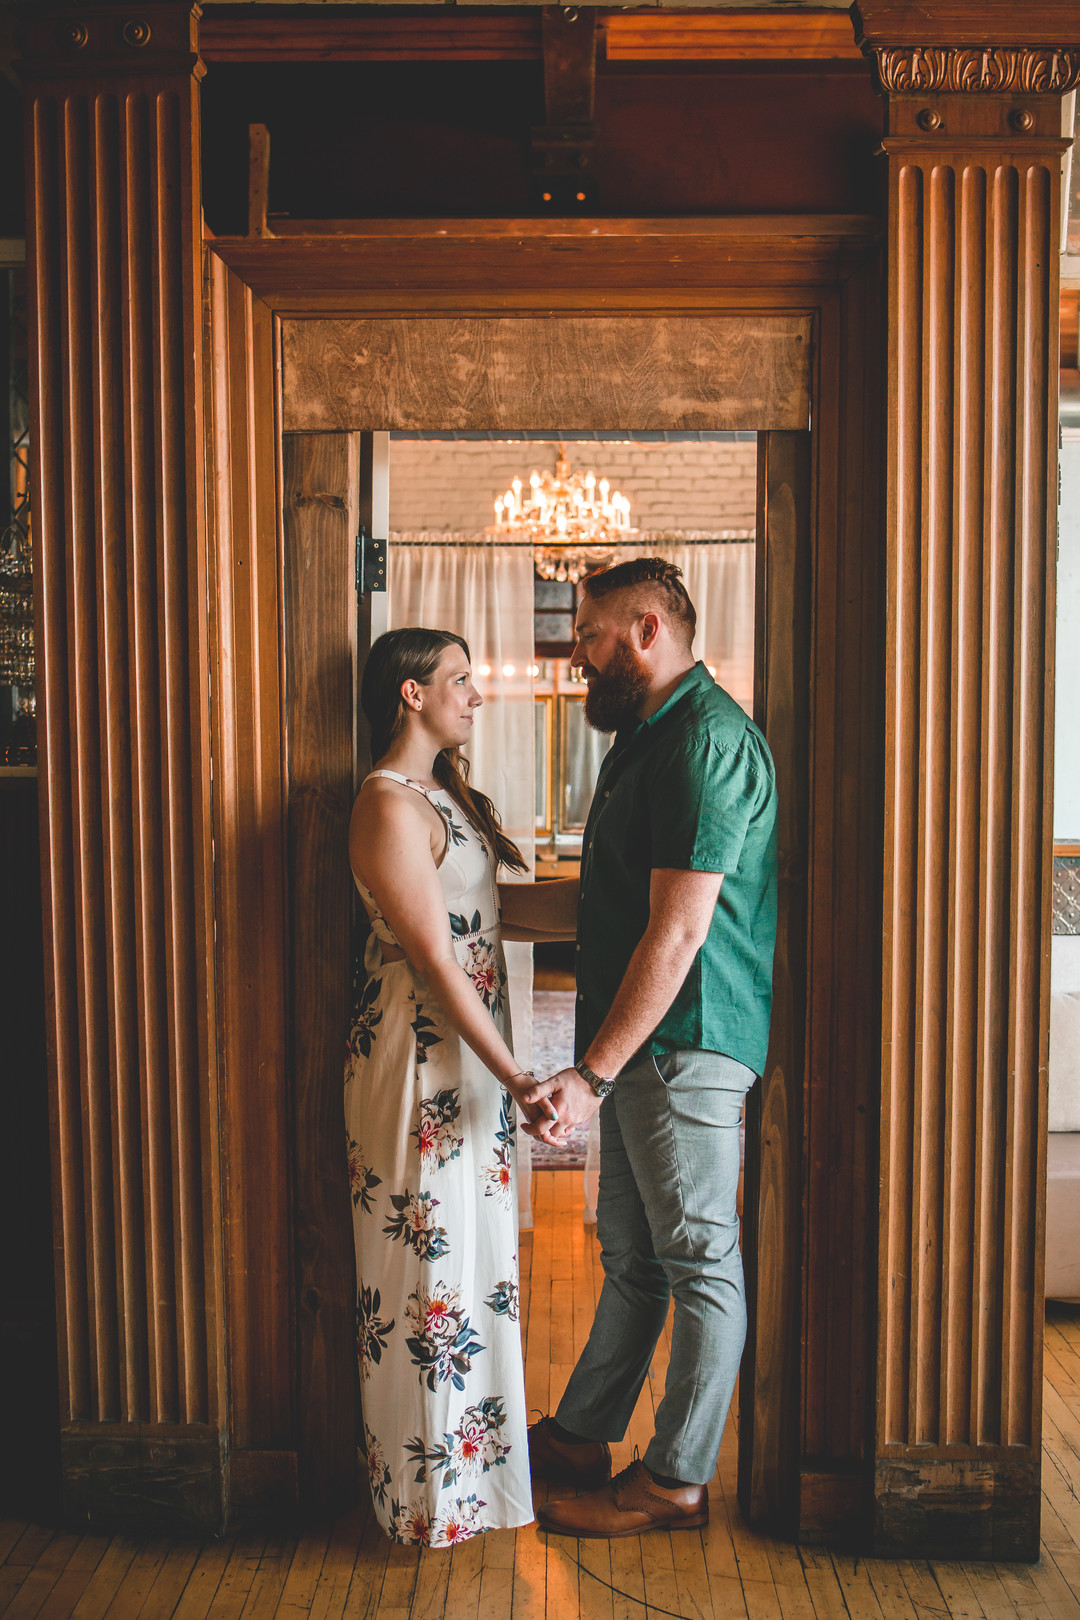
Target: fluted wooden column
{"x":974,"y":152}
{"x":113,"y":234}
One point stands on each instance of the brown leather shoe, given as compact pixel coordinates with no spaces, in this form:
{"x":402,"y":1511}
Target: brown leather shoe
{"x":629,"y":1505}
{"x":562,"y":1463}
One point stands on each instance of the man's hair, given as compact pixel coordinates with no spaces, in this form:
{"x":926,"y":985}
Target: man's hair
{"x":655,"y":582}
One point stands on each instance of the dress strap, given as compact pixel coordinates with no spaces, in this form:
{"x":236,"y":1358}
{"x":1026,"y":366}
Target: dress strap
{"x":406,"y":781}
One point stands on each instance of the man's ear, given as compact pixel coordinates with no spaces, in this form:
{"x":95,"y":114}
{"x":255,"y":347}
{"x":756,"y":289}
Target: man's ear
{"x":650,"y":629}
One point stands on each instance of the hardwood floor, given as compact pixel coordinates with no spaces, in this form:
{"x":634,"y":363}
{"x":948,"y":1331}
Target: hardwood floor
{"x":348,"y":1569}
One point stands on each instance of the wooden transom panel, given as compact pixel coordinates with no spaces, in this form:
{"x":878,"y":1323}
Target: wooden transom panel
{"x":548,"y":373}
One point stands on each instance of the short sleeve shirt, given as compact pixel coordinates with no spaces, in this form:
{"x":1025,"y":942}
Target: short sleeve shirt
{"x":692,"y":788}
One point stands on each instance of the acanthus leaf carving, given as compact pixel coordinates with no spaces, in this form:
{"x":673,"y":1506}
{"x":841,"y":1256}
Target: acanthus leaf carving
{"x":1003,"y":70}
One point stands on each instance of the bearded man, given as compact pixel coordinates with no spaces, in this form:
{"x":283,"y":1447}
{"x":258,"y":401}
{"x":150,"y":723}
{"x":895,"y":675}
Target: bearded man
{"x":676,"y":925}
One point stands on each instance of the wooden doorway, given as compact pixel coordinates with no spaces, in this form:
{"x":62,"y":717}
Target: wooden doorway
{"x":716,"y":324}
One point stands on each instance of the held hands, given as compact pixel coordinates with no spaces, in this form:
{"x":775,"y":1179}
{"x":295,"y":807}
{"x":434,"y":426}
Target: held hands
{"x":572,"y":1098}
{"x":530,"y":1097}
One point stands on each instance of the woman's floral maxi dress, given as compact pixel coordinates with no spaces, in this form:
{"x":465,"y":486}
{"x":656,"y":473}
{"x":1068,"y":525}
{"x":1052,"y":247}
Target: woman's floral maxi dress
{"x":430,"y":1137}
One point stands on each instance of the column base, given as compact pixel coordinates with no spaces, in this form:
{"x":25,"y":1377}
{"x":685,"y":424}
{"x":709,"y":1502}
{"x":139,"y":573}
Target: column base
{"x":956,"y":1509}
{"x":834,"y":1509}
{"x":144,"y":1479}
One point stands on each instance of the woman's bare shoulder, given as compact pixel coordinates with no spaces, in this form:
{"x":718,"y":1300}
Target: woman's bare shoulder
{"x":387,"y":808}
{"x":383,"y":800}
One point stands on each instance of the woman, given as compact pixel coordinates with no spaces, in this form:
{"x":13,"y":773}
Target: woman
{"x":430,"y":1088}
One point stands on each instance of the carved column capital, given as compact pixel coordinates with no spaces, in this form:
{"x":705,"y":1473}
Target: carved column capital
{"x":988,"y":69}
{"x":143,"y":37}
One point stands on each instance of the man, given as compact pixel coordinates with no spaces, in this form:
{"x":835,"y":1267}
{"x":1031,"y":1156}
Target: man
{"x":676,"y":927}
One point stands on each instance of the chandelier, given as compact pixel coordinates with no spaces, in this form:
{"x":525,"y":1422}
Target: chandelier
{"x":574,"y":520}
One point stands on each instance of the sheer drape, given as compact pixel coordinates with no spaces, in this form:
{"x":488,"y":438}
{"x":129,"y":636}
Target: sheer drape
{"x":484,"y":593}
{"x":719,"y":578}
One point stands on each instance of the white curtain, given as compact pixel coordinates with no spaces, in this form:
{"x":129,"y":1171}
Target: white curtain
{"x":484,"y":592}
{"x":719,"y":578}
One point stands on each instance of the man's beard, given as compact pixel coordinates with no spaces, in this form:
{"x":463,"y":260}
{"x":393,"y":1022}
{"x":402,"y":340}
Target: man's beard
{"x":613,"y":696}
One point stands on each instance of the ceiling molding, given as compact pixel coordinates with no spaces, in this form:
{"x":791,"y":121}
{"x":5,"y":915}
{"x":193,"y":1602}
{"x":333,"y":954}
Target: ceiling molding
{"x":452,"y":34}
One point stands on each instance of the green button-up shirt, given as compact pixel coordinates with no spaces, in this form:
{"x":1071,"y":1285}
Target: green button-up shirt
{"x":692,"y":789}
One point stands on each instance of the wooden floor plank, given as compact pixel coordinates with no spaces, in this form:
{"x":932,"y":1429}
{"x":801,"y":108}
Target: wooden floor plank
{"x":972,"y":1593}
{"x":63,"y":1598}
{"x":658,"y":1569}
{"x":789,"y":1579}
{"x":1008,"y":1589}
{"x":335,"y":1576}
{"x":204,"y":1580}
{"x":268,"y":1582}
{"x":11,"y":1531}
{"x":301,"y":1584}
{"x":141,"y":1574}
{"x":893,"y":1598}
{"x":628,"y":1579}
{"x":529,"y":1597}
{"x":926,"y":1596}
{"x":498,"y":1576}
{"x":237,"y":1576}
{"x":106,"y":1579}
{"x":369,"y":1568}
{"x":860,"y":1597}
{"x":466,"y":1572}
{"x":561,"y":1575}
{"x":171,"y":1579}
{"x":30,"y":1545}
{"x":432,"y":1585}
{"x":399,"y":1580}
{"x":823,"y":1585}
{"x":42,"y":1578}
{"x":596,"y":1600}
{"x":11,"y":1578}
{"x":694,"y":1591}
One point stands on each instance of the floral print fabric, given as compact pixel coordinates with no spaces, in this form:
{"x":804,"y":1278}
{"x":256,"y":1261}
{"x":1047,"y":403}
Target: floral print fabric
{"x":430,"y":1153}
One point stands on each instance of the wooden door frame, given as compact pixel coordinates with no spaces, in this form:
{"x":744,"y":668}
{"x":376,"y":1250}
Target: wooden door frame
{"x":814,"y":1181}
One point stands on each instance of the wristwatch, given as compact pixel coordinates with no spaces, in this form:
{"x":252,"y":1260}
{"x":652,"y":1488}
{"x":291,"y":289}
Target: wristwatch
{"x":602,"y":1088}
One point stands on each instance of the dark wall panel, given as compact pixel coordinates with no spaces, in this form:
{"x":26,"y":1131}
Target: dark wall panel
{"x":372,"y":139}
{"x":29,"y":1398}
{"x":743,"y":141}
{"x":355,"y":140}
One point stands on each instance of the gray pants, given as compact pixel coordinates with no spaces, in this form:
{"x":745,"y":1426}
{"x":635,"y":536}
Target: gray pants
{"x":667,"y":1224}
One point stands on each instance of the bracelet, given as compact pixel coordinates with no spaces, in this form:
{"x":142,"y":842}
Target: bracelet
{"x":522,"y":1074}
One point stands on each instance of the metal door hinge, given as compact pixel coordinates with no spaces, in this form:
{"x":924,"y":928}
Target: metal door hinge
{"x":370,"y":563}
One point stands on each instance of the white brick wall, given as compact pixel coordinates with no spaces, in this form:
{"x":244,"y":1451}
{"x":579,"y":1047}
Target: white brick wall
{"x":441,"y":485}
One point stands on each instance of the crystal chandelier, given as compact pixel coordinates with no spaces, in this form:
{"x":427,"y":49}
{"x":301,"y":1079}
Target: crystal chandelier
{"x":574,"y":520}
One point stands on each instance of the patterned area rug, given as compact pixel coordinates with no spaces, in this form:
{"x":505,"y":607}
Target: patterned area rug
{"x":553,"y":1048}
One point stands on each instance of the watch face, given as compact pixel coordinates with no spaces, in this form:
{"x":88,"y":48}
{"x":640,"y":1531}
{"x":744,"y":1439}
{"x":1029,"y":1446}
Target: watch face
{"x":601,"y":1088}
